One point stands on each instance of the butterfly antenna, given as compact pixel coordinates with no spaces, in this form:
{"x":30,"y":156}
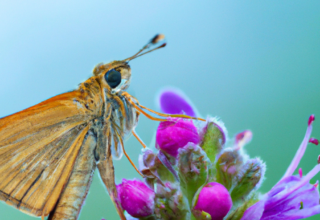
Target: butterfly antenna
{"x":156,"y":39}
{"x":163,"y":45}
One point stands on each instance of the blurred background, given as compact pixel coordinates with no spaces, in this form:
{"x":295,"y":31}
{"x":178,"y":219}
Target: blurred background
{"x":254,"y":64}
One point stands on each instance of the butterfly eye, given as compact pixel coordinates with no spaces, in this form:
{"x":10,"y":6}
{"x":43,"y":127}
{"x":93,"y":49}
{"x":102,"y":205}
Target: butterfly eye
{"x":113,"y":78}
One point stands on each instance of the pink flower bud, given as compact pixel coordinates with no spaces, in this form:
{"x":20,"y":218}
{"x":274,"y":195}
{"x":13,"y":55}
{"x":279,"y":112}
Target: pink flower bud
{"x":215,"y":200}
{"x":174,"y":134}
{"x":136,"y":198}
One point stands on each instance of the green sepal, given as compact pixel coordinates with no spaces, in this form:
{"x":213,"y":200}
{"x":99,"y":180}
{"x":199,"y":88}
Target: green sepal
{"x":165,"y":174}
{"x":151,"y":217}
{"x":170,"y":203}
{"x":213,"y":141}
{"x":227,"y":166}
{"x":201,"y":215}
{"x":238,"y":210}
{"x":193,"y":166}
{"x":197,"y":214}
{"x":154,"y":168}
{"x":248,"y":178}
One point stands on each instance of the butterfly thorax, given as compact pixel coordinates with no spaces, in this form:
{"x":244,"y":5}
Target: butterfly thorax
{"x":114,"y":114}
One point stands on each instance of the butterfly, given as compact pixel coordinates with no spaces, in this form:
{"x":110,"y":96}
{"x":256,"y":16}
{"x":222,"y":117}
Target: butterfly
{"x":49,"y":152}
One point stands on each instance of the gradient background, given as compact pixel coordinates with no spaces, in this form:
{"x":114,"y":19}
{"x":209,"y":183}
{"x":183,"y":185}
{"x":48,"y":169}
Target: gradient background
{"x":254,"y":64}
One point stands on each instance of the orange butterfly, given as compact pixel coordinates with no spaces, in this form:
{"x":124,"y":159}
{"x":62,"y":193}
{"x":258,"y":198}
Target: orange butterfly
{"x":49,"y":152}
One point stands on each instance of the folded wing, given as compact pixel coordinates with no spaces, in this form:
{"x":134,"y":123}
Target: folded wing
{"x":38,"y":149}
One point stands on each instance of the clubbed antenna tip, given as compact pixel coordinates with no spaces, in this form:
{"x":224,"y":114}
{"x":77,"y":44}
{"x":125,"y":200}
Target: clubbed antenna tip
{"x":156,"y":39}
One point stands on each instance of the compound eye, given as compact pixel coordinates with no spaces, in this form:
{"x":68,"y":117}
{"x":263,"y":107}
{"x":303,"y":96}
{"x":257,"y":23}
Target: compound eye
{"x":113,"y":78}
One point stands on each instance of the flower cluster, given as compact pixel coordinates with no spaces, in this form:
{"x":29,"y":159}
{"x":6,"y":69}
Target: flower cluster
{"x":192,"y":174}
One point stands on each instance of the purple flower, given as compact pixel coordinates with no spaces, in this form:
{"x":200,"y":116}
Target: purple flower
{"x":174,"y":134}
{"x":173,"y":101}
{"x":292,"y":197}
{"x":242,"y":139}
{"x":136,"y":198}
{"x":213,"y":199}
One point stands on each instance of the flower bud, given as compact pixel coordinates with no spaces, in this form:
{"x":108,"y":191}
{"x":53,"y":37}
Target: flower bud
{"x":136,"y":198}
{"x":174,"y":134}
{"x":213,"y":199}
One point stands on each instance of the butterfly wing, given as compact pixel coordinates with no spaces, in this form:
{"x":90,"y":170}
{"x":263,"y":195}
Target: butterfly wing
{"x":39,"y":146}
{"x":72,"y":198}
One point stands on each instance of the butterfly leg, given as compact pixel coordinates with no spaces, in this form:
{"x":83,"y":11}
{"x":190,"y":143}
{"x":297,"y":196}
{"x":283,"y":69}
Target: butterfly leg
{"x":76,"y":190}
{"x":139,"y":139}
{"x":106,"y":168}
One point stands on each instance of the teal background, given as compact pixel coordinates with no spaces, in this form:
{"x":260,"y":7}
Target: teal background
{"x":256,"y":64}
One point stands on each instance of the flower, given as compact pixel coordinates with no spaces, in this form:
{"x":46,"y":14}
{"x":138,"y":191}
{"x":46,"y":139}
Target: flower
{"x":174,"y":134}
{"x":173,"y":101}
{"x":215,"y":200}
{"x":242,"y":139}
{"x":136,"y":198}
{"x":292,"y":197}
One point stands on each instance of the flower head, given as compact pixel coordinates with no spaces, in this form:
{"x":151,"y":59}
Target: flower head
{"x":195,"y":175}
{"x":292,"y":197}
{"x":136,"y":198}
{"x":213,"y":199}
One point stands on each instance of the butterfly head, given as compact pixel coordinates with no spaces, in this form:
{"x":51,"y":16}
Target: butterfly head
{"x":115,"y":76}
